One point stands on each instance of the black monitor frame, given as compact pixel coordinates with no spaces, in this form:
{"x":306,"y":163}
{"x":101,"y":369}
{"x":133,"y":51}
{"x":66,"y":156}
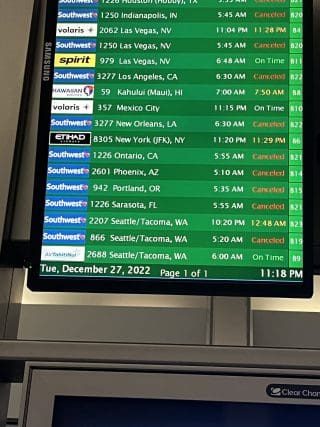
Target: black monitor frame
{"x":167,"y":286}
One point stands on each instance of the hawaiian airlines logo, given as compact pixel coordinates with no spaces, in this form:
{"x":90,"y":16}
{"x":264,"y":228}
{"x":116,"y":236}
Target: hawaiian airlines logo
{"x":89,"y":90}
{"x":72,"y":91}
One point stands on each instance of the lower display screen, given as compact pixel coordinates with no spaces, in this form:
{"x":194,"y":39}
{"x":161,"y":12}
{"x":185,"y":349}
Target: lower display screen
{"x":173,"y":150}
{"x":107,"y":412}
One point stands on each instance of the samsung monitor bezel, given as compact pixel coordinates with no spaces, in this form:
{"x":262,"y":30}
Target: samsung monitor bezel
{"x":267,"y":288}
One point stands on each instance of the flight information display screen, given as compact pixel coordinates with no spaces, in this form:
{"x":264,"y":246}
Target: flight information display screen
{"x":100,"y":412}
{"x":170,"y":151}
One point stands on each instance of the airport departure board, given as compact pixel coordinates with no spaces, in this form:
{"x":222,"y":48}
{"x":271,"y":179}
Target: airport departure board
{"x":170,"y":151}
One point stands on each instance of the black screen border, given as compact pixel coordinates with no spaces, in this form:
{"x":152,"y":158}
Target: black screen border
{"x":38,"y":283}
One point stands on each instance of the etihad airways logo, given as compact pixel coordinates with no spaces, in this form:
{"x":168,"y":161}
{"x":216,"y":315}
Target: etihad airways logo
{"x":85,"y":45}
{"x":73,"y":91}
{"x":74,"y":60}
{"x":71,"y":107}
{"x":76,"y":30}
{"x":70,"y":138}
{"x":82,"y":15}
{"x":63,"y":253}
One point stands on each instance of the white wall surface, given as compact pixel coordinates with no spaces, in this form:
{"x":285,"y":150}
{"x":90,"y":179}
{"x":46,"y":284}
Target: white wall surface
{"x":15,"y":18}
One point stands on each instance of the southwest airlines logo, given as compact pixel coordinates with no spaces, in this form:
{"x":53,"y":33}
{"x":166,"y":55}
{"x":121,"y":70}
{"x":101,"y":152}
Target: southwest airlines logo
{"x":71,"y":123}
{"x":62,"y":253}
{"x":71,"y":107}
{"x":67,"y":171}
{"x":73,"y":91}
{"x":86,"y":45}
{"x":78,"y":2}
{"x":59,"y":153}
{"x":63,"y":203}
{"x":85,"y":15}
{"x":67,"y":187}
{"x":65,"y":220}
{"x":71,"y":237}
{"x":77,"y":30}
{"x":73,"y":76}
{"x":74,"y":60}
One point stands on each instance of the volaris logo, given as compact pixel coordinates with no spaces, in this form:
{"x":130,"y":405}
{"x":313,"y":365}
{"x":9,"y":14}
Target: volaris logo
{"x":76,"y":30}
{"x":71,"y":107}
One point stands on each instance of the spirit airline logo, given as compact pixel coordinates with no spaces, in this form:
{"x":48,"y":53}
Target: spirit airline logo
{"x":74,"y":60}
